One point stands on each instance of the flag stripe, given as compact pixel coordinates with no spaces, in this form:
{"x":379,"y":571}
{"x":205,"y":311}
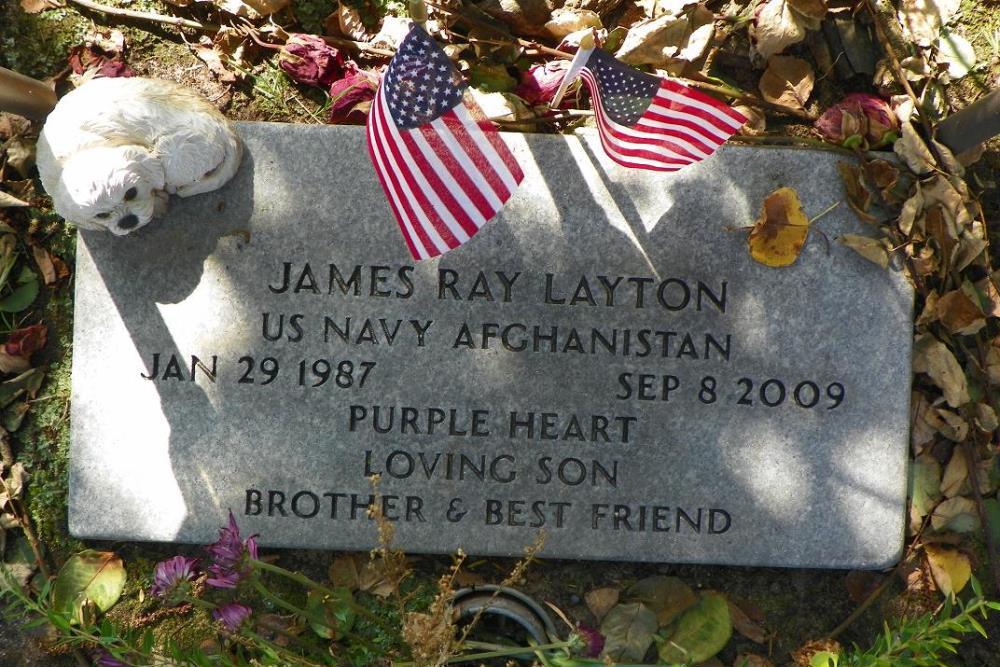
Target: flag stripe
{"x":486,"y":127}
{"x":398,"y":203}
{"x":677,"y":126}
{"x":626,"y":141}
{"x":730,"y":117}
{"x":461,"y":187}
{"x":447,"y":208}
{"x":424,"y":195}
{"x":443,"y":166}
{"x":426,"y":230}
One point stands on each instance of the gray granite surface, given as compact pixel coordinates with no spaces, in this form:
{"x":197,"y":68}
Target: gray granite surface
{"x":751,"y":415}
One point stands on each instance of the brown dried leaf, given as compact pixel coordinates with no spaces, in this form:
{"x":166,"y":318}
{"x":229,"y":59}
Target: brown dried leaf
{"x":743,"y":624}
{"x":874,"y":250}
{"x":210,"y":54}
{"x":913,"y":151}
{"x":859,"y":197}
{"x":776,"y":27}
{"x":883,"y":175}
{"x":933,"y":357}
{"x":567,"y":21}
{"x":956,"y":514}
{"x":756,"y":120}
{"x":911,"y":207}
{"x":45,"y":265}
{"x":952,"y":426}
{"x":349,"y":23}
{"x":36,"y":6}
{"x":811,"y":9}
{"x":959,"y":313}
{"x":787,"y":81}
{"x":923,"y":19}
{"x":345,"y":571}
{"x":601,"y":600}
{"x":655,"y":41}
{"x":8,"y":200}
{"x":861,"y":584}
{"x":955,"y":480}
{"x":941,"y":231}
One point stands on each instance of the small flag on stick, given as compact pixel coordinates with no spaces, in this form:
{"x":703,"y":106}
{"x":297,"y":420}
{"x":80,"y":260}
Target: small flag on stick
{"x":442,"y":164}
{"x":648,"y":122}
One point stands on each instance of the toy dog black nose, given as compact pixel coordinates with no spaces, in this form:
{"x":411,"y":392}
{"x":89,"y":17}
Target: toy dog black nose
{"x":128,"y":222}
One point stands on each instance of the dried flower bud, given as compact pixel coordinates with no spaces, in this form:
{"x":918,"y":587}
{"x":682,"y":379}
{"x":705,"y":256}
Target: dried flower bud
{"x":883,"y":126}
{"x":859,"y":119}
{"x":309,"y":60}
{"x":539,"y":84}
{"x":351,"y":97}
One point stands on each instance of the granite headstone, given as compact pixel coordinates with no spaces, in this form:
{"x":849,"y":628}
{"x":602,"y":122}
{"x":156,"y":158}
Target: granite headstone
{"x":603,"y":363}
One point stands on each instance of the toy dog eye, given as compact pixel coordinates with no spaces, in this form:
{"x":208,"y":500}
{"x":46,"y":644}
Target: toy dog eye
{"x":103,"y":216}
{"x":130,"y":194}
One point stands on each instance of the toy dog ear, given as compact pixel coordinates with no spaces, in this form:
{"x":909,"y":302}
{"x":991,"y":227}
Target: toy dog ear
{"x":148,"y":165}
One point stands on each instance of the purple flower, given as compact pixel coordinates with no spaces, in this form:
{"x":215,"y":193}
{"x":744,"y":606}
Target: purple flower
{"x":231,"y":615}
{"x":593,"y":640}
{"x":171,"y":573}
{"x":230,"y":555}
{"x":105,"y":659}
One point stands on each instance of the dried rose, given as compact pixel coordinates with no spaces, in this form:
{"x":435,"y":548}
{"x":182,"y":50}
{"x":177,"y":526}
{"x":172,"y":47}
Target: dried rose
{"x":25,"y":342}
{"x":539,"y":84}
{"x":309,"y":60}
{"x":351,"y":97}
{"x":91,"y":57}
{"x":883,"y":126}
{"x":593,"y":640}
{"x":858,"y":119}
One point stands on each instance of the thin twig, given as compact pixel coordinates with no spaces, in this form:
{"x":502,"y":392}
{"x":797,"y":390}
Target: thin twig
{"x":357,"y":46}
{"x":882,"y":587}
{"x":793,"y":142}
{"x":749,"y":98}
{"x":148,"y":16}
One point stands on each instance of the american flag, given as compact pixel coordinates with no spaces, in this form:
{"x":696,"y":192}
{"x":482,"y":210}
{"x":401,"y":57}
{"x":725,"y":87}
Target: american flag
{"x":443,"y":166}
{"x":653,"y":123}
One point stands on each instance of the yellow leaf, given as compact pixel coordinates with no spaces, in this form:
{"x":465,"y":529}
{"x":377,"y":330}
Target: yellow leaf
{"x":780,"y":232}
{"x":949,"y":567}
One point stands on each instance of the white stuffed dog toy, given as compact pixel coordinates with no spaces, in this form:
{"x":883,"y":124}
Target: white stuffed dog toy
{"x":113,"y":151}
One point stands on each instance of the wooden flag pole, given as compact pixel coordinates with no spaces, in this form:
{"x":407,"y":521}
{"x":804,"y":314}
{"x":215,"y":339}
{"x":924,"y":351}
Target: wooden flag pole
{"x":587,"y":45}
{"x":418,"y":12}
{"x":24,"y":96}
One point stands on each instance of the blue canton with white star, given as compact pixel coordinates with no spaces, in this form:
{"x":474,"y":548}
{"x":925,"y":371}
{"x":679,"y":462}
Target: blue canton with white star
{"x":421,"y":83}
{"x":625,"y":92}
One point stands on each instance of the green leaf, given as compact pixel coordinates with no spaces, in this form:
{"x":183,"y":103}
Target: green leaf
{"x":925,"y":486}
{"x":23,"y":295}
{"x":628,"y":632}
{"x":700,"y":632}
{"x":29,"y":382}
{"x":491,"y":78}
{"x":824,"y":659}
{"x":331,"y":617}
{"x":95,"y":576}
